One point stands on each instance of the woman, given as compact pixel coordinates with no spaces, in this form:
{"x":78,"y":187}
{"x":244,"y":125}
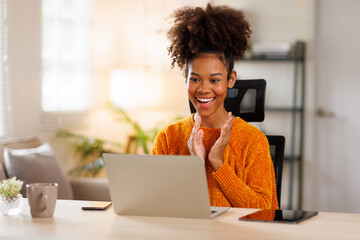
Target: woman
{"x":238,"y":165}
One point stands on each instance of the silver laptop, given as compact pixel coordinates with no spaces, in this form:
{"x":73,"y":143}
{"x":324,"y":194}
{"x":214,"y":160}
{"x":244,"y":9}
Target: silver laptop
{"x":159,"y":185}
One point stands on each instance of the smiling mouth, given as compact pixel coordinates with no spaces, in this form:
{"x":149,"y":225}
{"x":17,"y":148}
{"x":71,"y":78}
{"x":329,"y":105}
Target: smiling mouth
{"x":205,"y":102}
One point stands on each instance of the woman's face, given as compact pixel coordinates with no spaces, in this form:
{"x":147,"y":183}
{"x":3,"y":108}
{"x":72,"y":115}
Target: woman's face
{"x":207,"y":85}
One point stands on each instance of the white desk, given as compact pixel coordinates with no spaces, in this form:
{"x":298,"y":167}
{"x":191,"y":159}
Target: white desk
{"x":70,"y":222}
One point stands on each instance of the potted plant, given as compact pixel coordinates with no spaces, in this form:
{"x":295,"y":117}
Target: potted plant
{"x":90,"y":150}
{"x":10,"y":197}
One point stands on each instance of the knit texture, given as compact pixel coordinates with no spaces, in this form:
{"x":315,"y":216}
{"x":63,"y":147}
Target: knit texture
{"x":246,"y":179}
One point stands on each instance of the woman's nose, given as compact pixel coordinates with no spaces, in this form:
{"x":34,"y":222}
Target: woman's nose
{"x":204,"y":87}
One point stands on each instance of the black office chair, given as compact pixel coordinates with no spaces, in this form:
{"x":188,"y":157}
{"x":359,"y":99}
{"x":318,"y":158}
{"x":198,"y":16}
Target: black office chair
{"x":277,"y":148}
{"x":247,"y":101}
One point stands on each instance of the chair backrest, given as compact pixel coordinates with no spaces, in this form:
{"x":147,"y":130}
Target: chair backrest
{"x":247,"y":101}
{"x":277,"y":148}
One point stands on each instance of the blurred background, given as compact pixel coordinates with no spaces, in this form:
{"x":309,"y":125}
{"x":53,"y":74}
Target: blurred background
{"x":64,"y":61}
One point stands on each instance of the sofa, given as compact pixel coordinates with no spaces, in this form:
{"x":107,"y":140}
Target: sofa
{"x":31,"y":161}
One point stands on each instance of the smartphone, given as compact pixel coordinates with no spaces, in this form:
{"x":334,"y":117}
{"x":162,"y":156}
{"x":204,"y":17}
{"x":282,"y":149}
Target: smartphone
{"x":96,"y":206}
{"x":279,"y":216}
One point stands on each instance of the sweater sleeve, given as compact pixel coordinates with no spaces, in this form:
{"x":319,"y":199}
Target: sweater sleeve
{"x":255,"y":186}
{"x":159,"y":145}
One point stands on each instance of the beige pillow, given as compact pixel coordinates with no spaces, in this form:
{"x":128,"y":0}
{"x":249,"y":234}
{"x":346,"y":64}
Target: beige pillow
{"x":35,"y":165}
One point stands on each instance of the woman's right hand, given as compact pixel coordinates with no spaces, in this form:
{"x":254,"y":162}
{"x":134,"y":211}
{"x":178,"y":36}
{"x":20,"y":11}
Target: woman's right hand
{"x":195,"y":142}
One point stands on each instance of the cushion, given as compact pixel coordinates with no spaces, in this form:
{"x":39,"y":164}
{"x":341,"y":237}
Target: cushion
{"x":16,"y":144}
{"x":35,"y":165}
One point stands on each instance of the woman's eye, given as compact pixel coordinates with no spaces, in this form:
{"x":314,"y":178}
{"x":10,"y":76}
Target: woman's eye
{"x":194,"y":79}
{"x":214,"y":80}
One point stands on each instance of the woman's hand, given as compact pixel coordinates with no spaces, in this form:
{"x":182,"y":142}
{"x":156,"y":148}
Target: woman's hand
{"x":195,"y":142}
{"x":217,"y":151}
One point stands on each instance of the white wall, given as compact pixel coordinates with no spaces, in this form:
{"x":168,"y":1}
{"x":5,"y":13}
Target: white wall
{"x":331,"y":168}
{"x":275,"y":20}
{"x":24,"y":48}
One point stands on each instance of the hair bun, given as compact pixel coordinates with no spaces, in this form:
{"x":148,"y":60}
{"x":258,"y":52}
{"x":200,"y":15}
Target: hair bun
{"x":215,"y":29}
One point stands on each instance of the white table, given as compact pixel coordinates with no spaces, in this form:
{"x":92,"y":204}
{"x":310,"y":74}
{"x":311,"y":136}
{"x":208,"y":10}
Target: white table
{"x":70,"y":222}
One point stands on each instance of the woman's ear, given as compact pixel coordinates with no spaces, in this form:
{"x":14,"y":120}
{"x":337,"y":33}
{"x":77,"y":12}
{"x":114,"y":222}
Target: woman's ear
{"x":232,"y":79}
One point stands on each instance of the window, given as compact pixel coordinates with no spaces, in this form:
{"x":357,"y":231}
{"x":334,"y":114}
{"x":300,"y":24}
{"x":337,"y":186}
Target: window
{"x":65,"y":55}
{"x":3,"y":68}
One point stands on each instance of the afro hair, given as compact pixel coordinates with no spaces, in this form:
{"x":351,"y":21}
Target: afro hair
{"x":218,"y":29}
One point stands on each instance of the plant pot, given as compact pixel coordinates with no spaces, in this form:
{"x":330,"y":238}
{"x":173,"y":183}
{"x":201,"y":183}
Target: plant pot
{"x":11,"y":205}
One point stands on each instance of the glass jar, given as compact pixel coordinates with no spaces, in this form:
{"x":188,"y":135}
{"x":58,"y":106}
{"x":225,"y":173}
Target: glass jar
{"x":11,"y":205}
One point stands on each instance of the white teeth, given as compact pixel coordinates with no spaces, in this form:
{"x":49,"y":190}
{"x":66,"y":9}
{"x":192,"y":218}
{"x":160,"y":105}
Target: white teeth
{"x":205,"y":100}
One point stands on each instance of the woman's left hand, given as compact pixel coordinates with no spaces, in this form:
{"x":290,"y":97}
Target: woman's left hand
{"x":217,"y":151}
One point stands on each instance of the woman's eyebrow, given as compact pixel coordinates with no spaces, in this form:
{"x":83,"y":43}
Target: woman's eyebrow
{"x":192,"y":73}
{"x":213,"y":74}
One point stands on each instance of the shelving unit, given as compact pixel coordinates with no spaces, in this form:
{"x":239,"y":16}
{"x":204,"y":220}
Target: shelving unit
{"x":296,"y":110}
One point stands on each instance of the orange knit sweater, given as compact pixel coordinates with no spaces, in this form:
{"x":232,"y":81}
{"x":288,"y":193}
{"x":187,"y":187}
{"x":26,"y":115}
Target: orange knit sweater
{"x":247,"y":177}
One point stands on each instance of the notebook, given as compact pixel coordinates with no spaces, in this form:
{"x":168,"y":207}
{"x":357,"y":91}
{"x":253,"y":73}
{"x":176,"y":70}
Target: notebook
{"x":159,"y":185}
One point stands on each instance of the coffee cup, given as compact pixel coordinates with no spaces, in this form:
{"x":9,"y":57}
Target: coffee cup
{"x":42,"y":199}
